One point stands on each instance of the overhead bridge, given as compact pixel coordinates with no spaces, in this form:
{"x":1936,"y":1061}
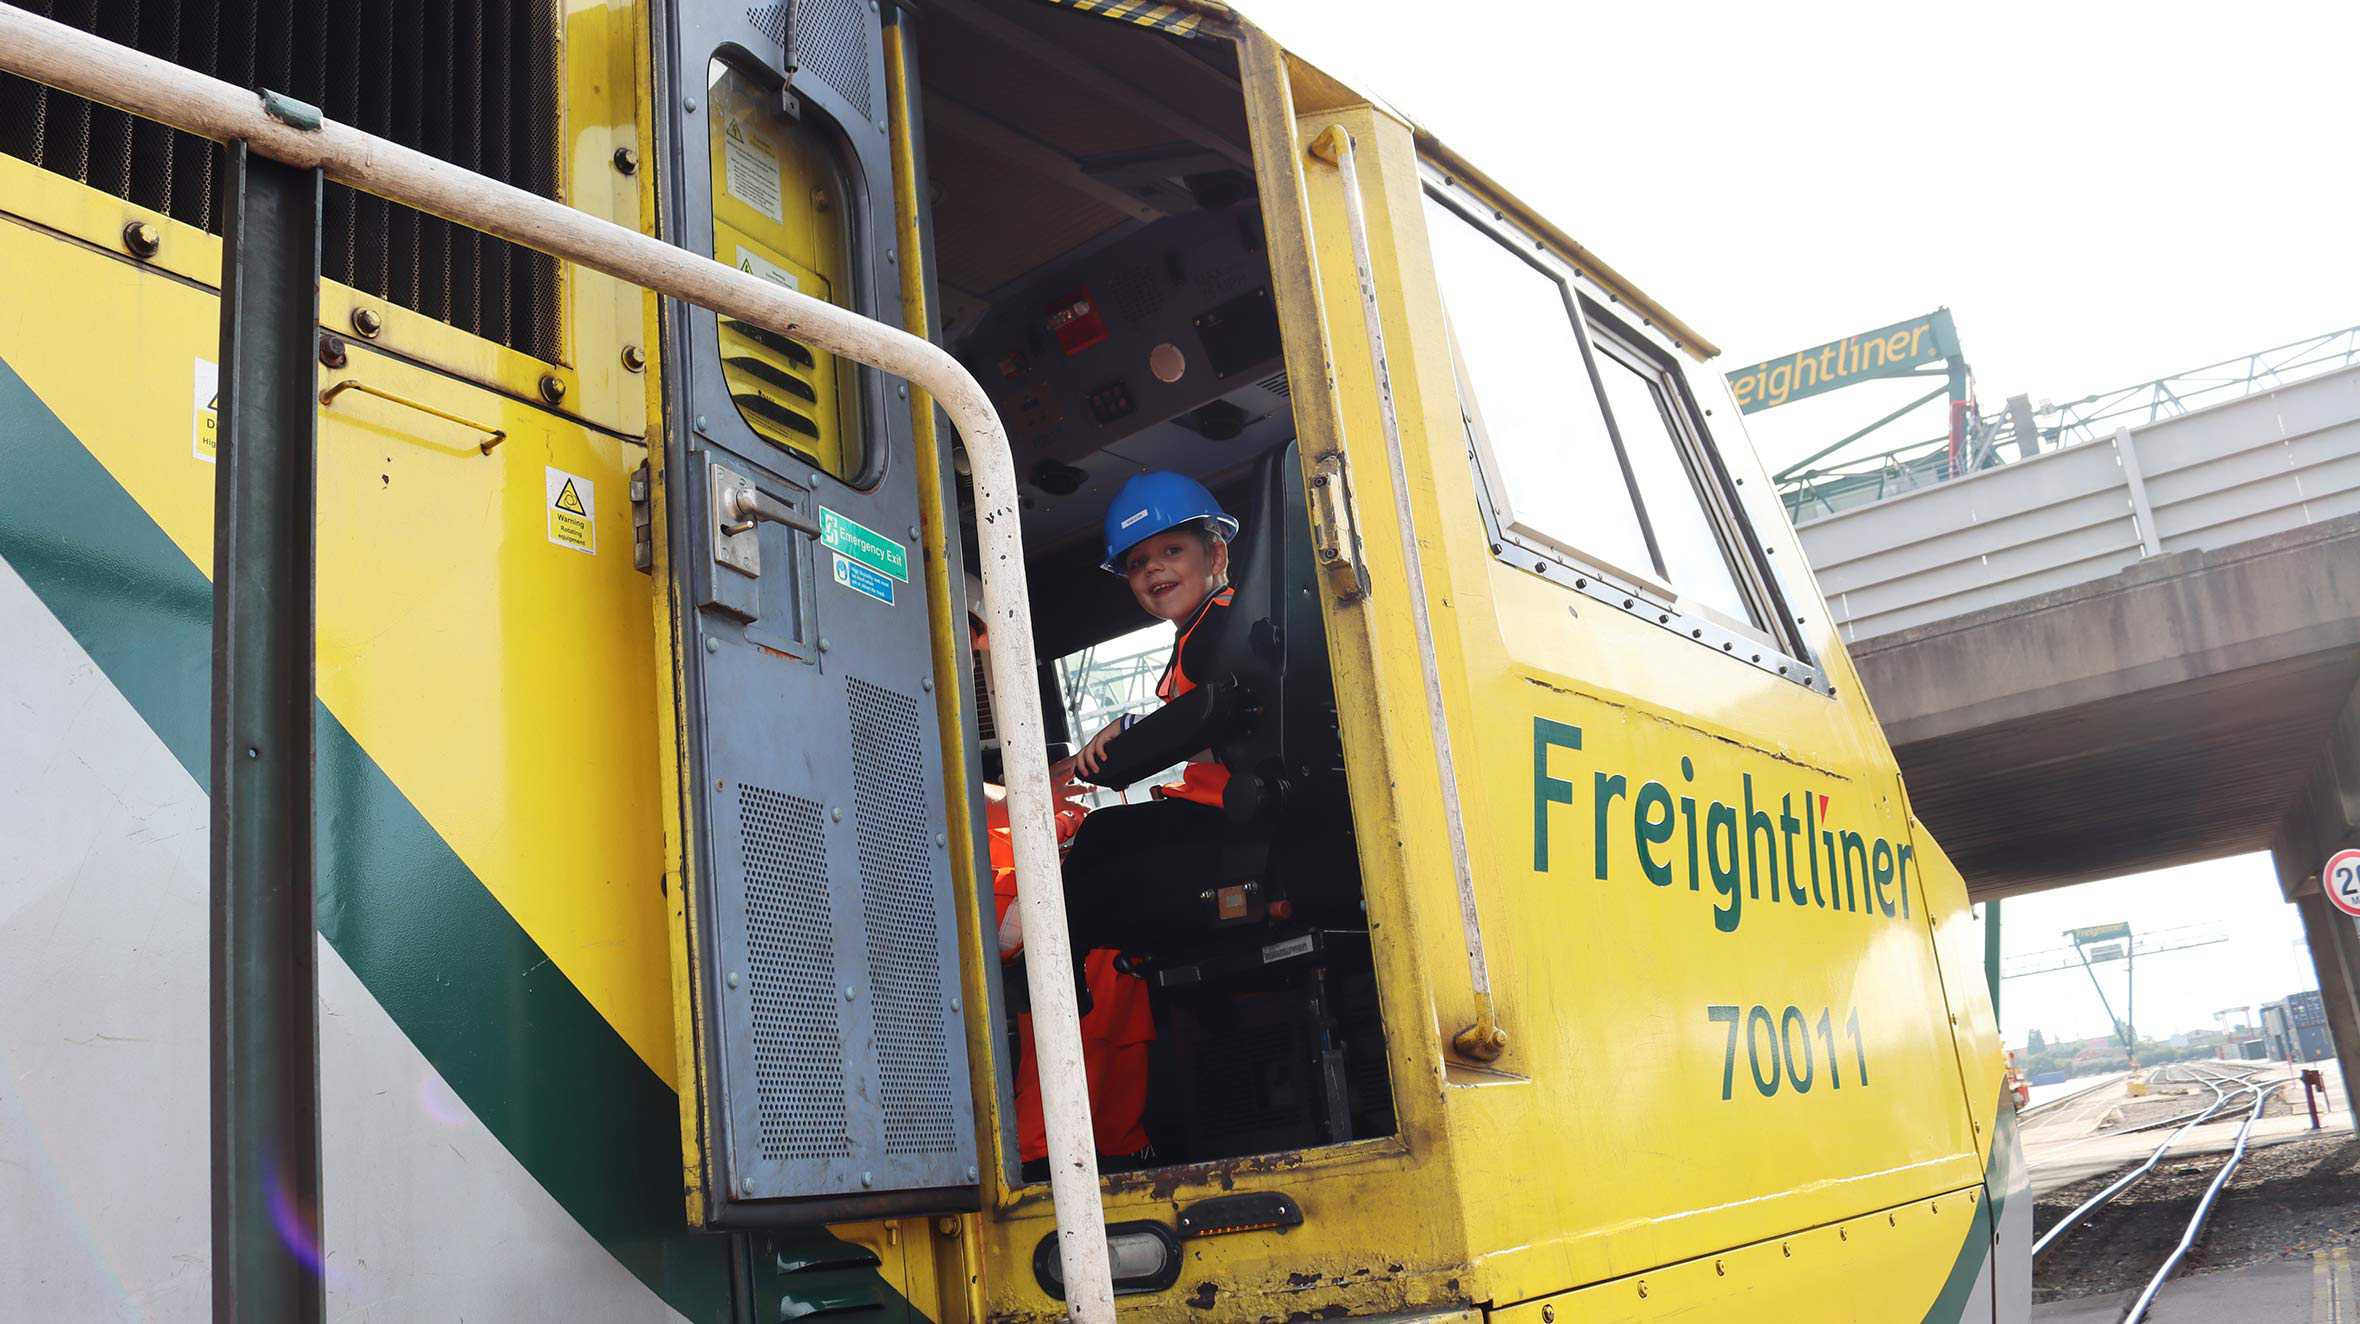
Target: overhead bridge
{"x":2136,"y":651}
{"x":2122,"y":654}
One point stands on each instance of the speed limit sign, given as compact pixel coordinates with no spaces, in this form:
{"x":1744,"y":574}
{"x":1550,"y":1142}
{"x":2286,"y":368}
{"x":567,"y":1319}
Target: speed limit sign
{"x":2341,"y":881}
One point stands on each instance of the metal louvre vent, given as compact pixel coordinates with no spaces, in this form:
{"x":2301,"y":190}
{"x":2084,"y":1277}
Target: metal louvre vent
{"x":472,"y":82}
{"x":1277,"y":385}
{"x":771,"y":377}
{"x":903,"y":936}
{"x":987,"y":725}
{"x":791,"y":965}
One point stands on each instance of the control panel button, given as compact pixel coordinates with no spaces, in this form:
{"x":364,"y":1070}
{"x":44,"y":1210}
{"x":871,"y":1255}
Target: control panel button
{"x":1111,"y":401}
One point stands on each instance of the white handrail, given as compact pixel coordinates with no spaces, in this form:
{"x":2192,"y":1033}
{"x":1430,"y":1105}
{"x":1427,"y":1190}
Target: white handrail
{"x":100,"y":70}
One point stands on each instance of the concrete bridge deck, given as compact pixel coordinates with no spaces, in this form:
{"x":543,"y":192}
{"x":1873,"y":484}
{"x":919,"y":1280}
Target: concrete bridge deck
{"x":2130,"y":653}
{"x":2119,"y":655}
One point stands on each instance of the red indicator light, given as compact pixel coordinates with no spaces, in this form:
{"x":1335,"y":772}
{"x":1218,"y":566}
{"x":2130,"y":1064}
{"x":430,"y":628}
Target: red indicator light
{"x":1076,"y":322}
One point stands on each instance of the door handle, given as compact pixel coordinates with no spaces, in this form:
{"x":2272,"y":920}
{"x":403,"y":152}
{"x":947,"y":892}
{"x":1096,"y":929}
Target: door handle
{"x":744,"y":507}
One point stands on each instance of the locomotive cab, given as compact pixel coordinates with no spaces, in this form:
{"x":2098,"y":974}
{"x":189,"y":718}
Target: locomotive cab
{"x":1105,"y":271}
{"x":1571,"y":949}
{"x":1151,"y":341}
{"x":1513,"y":604}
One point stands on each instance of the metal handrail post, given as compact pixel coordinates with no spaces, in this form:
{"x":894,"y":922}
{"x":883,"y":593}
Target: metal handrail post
{"x":265,"y":1047}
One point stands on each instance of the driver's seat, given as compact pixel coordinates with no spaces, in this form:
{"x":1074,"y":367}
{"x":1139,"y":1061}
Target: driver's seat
{"x":1265,"y":705}
{"x":1269,"y":991}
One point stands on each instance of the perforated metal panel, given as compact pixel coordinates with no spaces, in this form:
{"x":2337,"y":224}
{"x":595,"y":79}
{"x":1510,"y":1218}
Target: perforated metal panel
{"x":903,"y":932}
{"x":833,"y":47}
{"x":770,"y":20}
{"x":831,"y":43}
{"x":1136,"y":293}
{"x":791,"y":966}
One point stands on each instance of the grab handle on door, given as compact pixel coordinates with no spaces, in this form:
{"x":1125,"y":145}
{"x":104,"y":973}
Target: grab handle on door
{"x":742,"y":507}
{"x":492,"y":436}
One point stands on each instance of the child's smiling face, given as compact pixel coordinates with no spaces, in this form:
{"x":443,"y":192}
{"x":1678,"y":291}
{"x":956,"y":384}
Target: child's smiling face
{"x":1173,"y":572}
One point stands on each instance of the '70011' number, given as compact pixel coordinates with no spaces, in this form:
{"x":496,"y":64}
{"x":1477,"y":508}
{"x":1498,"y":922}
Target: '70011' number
{"x":1779,"y":1048}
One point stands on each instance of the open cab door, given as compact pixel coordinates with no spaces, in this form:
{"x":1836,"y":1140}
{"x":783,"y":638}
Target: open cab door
{"x":823,"y":1067}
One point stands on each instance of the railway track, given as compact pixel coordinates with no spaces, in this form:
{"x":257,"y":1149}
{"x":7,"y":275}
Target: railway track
{"x":2067,"y":1108}
{"x":2237,"y":1092}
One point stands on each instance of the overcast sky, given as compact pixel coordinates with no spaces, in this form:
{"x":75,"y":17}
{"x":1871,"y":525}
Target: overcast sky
{"x":2101,"y":193}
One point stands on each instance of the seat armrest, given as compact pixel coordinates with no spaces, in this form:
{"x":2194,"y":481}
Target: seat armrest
{"x":1169,"y":735}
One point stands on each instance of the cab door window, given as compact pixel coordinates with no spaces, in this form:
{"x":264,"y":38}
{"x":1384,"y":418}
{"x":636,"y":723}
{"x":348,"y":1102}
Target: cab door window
{"x":780,"y":210}
{"x":1649,"y":421}
{"x":1594,"y":467}
{"x":1561,"y":478}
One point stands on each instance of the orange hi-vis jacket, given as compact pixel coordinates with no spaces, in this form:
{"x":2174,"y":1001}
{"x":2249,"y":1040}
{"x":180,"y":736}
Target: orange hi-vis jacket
{"x":1115,"y":1034}
{"x":1201,"y":783}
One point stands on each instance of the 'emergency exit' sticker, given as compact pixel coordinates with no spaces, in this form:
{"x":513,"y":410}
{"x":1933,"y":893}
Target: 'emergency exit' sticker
{"x":848,"y":537}
{"x":204,"y":427}
{"x":573,"y":511}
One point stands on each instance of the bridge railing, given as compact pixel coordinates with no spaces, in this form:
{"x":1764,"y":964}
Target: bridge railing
{"x":2000,"y":437}
{"x":2243,"y":469}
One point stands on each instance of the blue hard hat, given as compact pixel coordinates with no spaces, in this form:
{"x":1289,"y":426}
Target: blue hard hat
{"x":1153,"y":502}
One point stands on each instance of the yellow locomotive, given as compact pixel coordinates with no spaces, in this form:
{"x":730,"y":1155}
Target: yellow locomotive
{"x":1572,"y":954}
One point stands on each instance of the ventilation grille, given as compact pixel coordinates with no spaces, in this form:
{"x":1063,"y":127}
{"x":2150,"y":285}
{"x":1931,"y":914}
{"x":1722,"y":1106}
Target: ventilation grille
{"x":770,"y":21}
{"x":1276,"y":384}
{"x":472,"y":82}
{"x":833,"y":43}
{"x":904,"y":939}
{"x":1255,"y":1083}
{"x":777,"y":383}
{"x":987,"y":725}
{"x":791,"y":964}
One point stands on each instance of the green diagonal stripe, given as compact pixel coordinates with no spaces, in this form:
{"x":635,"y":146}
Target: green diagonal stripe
{"x":2000,"y":1179}
{"x":515,"y":1040}
{"x":1950,"y":1305}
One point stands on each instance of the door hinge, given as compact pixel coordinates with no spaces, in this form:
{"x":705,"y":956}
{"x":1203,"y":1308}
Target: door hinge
{"x":1335,"y":539}
{"x":643,"y":515}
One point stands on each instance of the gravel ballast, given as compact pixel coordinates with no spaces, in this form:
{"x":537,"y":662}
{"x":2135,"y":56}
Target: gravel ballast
{"x":2287,"y":1200}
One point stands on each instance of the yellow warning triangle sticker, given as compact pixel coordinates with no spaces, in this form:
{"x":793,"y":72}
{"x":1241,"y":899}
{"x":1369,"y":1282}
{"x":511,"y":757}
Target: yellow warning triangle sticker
{"x":569,"y":500}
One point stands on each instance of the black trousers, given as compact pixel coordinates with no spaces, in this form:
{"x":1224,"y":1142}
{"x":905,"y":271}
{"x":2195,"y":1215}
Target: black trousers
{"x":1134,"y":872}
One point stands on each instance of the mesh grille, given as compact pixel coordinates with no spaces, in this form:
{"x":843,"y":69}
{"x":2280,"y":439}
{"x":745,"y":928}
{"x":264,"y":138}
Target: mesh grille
{"x":833,"y":42}
{"x":835,"y":45}
{"x":791,"y":964}
{"x":1136,"y":293}
{"x":904,"y":941}
{"x":472,"y":82}
{"x":1255,"y":1082}
{"x":770,"y":20}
